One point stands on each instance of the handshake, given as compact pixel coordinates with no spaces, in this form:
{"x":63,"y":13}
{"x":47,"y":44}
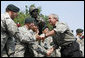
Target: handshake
{"x":40,"y":37}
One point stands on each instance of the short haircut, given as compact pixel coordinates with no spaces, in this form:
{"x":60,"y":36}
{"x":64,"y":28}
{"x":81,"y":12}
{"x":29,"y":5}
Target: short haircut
{"x":55,"y":16}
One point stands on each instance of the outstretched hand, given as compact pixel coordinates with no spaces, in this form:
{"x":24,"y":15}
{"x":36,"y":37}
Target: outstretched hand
{"x":49,"y":51}
{"x":42,"y":37}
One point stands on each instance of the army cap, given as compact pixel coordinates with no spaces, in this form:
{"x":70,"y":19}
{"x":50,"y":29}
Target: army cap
{"x":79,"y":30}
{"x":29,"y":20}
{"x":13,"y":8}
{"x":32,"y":9}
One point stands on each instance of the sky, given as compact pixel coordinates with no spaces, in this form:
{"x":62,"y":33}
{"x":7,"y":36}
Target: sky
{"x":70,"y":12}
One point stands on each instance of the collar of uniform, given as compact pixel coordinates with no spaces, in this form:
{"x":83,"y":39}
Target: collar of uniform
{"x":25,"y":27}
{"x":31,"y":31}
{"x":7,"y":16}
{"x":56,"y":23}
{"x":77,"y":36}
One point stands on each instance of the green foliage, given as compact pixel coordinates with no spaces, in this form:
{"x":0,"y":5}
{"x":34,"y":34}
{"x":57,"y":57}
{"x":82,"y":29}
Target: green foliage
{"x":26,"y":9}
{"x":22,"y":15}
{"x":39,"y":9}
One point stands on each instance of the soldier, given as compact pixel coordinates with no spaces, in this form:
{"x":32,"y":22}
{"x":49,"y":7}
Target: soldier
{"x":80,"y":40}
{"x":8,"y":26}
{"x":38,"y":20}
{"x":79,"y":33}
{"x":27,"y":38}
{"x":63,"y":37}
{"x":30,"y":37}
{"x":48,"y":43}
{"x":34,"y":13}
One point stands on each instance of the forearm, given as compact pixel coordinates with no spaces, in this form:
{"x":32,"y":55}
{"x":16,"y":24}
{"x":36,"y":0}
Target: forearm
{"x":24,"y":39}
{"x":50,"y":33}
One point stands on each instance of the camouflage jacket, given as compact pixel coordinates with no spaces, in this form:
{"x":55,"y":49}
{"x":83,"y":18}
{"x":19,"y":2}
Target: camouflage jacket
{"x":8,"y":29}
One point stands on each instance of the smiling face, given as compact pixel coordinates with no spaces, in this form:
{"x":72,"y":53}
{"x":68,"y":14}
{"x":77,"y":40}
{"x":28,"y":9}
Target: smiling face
{"x":52,"y":19}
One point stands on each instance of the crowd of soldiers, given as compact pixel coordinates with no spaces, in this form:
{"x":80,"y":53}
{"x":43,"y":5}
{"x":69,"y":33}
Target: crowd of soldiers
{"x":34,"y":39}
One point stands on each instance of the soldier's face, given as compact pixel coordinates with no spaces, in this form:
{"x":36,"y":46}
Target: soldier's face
{"x":35,"y":13}
{"x":31,"y":25}
{"x":14,"y":15}
{"x":35,"y":28}
{"x":80,"y":34}
{"x":52,"y":20}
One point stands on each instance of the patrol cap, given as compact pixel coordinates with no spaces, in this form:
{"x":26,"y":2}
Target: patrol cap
{"x":29,"y":20}
{"x":79,"y":30}
{"x":32,"y":8}
{"x":13,"y":8}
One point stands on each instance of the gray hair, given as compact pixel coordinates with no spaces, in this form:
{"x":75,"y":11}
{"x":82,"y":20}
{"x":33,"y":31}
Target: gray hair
{"x":55,"y":16}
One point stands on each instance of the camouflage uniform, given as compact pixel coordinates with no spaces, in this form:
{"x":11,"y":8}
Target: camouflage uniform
{"x":29,"y":40}
{"x":9,"y":48}
{"x":41,"y":51}
{"x":38,"y":20}
{"x":3,"y":53}
{"x":10,"y":45}
{"x":20,"y":45}
{"x":81,"y":43}
{"x":65,"y":39}
{"x":48,"y":43}
{"x":8,"y":29}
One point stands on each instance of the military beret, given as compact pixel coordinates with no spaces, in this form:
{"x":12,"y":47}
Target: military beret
{"x":79,"y":30}
{"x":29,"y":20}
{"x":13,"y":8}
